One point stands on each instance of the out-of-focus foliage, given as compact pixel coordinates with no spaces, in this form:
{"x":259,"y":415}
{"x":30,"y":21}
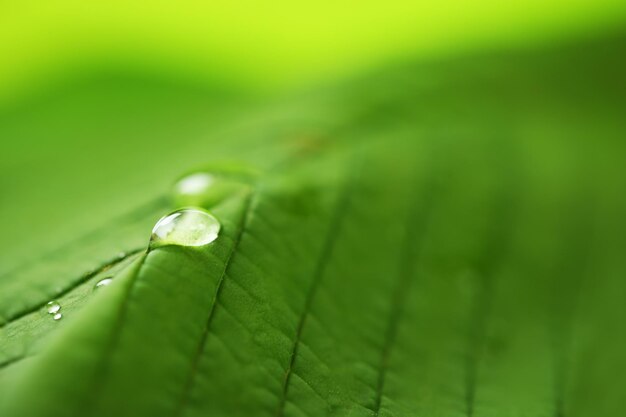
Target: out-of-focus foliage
{"x":267,"y":45}
{"x":86,"y":90}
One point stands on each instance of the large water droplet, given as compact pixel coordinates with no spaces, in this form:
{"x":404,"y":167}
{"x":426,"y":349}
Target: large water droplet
{"x":103,"y":283}
{"x":185,"y":227}
{"x":53,"y":307}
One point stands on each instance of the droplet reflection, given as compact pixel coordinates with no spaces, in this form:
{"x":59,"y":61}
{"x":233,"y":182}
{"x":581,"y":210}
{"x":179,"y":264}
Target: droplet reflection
{"x":103,"y":283}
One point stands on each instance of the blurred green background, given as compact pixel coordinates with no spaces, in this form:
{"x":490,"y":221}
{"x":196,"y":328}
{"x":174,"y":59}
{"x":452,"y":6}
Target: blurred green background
{"x":108,"y":99}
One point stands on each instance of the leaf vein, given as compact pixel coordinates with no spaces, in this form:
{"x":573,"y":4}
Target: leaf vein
{"x":336,"y":221}
{"x":202,"y":343}
{"x":71,"y":287}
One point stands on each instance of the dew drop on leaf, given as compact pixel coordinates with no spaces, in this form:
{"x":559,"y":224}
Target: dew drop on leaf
{"x":103,"y":283}
{"x":53,"y":307}
{"x":194,"y":184}
{"x":57,"y":316}
{"x":185,"y":227}
{"x":209,"y":188}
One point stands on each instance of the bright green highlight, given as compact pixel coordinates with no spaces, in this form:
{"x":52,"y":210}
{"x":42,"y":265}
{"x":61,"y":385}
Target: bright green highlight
{"x":266,"y":44}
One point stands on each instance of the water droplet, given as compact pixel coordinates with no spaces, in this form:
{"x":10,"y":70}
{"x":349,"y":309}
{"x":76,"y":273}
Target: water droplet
{"x":103,"y":283}
{"x":185,"y":227}
{"x":57,"y":316}
{"x":194,"y":184}
{"x":53,"y":307}
{"x":211,"y":186}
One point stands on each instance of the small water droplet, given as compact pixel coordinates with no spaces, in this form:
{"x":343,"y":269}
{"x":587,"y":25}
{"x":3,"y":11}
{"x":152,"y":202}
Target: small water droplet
{"x":194,"y":184}
{"x":53,"y":307}
{"x":185,"y":227}
{"x":57,"y":316}
{"x":103,"y":283}
{"x":211,"y":186}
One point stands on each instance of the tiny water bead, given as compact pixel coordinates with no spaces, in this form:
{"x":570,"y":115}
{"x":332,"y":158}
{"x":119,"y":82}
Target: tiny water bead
{"x":103,"y":283}
{"x":185,"y":227}
{"x":53,"y":307}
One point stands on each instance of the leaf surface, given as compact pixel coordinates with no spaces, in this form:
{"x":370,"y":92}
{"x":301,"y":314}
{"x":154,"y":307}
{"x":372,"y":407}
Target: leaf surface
{"x":437,"y":240}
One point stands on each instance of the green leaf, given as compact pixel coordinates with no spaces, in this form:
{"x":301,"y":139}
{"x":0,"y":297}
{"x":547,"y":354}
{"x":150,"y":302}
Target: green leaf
{"x":439,"y":239}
